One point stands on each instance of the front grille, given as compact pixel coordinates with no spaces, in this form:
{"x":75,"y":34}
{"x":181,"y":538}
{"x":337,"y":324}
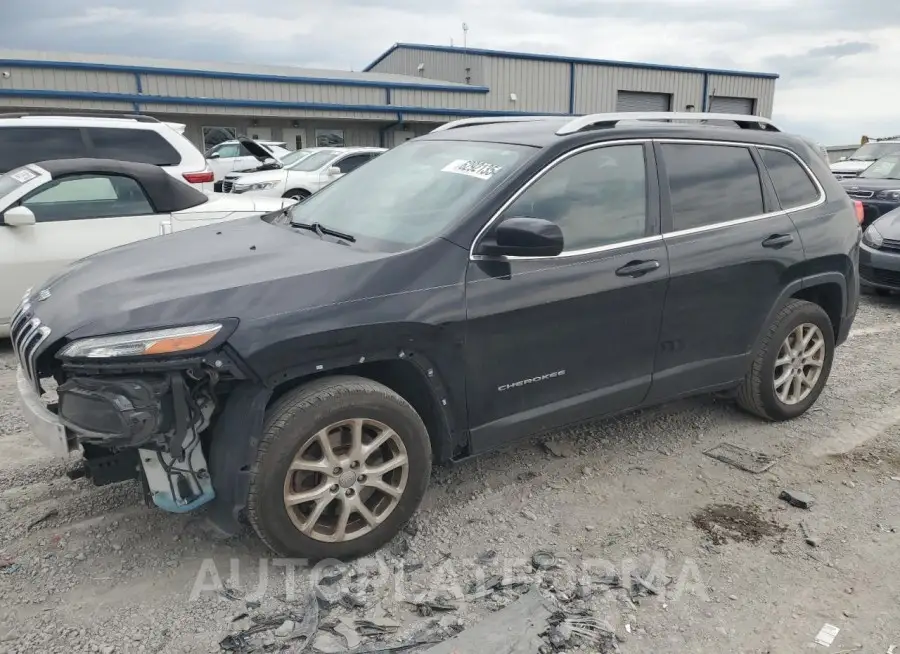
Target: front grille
{"x":880,"y":275}
{"x":227,"y":186}
{"x":891,"y":245}
{"x":846,"y":175}
{"x":862,"y":195}
{"x":27,"y":333}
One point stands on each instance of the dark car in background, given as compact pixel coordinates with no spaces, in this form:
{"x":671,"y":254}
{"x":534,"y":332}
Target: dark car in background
{"x":879,"y":257}
{"x":878,"y":188}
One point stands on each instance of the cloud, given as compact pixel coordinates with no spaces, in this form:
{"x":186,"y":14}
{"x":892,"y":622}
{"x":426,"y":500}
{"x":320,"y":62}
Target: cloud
{"x":837,"y":59}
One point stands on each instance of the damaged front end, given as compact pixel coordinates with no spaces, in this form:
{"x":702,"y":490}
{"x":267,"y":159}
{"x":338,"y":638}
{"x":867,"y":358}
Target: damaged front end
{"x":137,"y":405}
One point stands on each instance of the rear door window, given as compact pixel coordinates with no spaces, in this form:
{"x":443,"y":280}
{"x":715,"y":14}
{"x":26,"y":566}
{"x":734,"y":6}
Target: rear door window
{"x":140,"y":145}
{"x":82,"y":197}
{"x":25,"y":145}
{"x":351,"y":163}
{"x":792,"y":184}
{"x":711,"y":184}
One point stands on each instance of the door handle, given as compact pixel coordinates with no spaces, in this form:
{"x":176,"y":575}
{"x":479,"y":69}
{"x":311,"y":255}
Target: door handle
{"x":778,"y":241}
{"x":637,"y":268}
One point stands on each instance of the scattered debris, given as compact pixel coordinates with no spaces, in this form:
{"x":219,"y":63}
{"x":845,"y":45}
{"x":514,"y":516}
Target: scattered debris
{"x":741,"y":458}
{"x":807,"y":536}
{"x":587,"y":629}
{"x":827,"y":634}
{"x":399,"y":547}
{"x":376,"y":626}
{"x":294,"y":627}
{"x":797,"y":498}
{"x":10,"y":569}
{"x":729,"y":522}
{"x":429,"y":607}
{"x":644,"y":584}
{"x":527,"y":475}
{"x":230,"y":594}
{"x":411,"y":528}
{"x":529,"y":515}
{"x":895,"y":479}
{"x":544,"y":560}
{"x":559,"y":449}
{"x":486,"y":557}
{"x":52,"y":513}
{"x":515,"y":629}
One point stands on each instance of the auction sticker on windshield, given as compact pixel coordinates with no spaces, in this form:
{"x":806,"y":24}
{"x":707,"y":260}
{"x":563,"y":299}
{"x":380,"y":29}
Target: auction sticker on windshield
{"x":23,"y":176}
{"x":479,"y":169}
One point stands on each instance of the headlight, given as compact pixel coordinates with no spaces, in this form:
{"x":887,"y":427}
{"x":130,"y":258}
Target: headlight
{"x":893,"y":196}
{"x":258,"y":186}
{"x":873,"y":238}
{"x":159,"y":341}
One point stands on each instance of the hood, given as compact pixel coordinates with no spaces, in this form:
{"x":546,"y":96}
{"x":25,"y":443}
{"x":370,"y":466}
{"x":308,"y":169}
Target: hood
{"x":867,"y":184}
{"x":889,"y":225}
{"x":256,"y":149}
{"x":850,"y":166}
{"x":235,"y":202}
{"x":276,"y":175}
{"x":204,"y":274}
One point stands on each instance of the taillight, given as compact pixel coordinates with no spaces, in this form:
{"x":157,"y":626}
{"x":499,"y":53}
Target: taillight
{"x":199,"y":178}
{"x":860,"y":212}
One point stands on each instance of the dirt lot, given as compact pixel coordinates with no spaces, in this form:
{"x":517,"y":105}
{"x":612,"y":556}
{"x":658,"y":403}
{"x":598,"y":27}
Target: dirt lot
{"x":727,"y":559}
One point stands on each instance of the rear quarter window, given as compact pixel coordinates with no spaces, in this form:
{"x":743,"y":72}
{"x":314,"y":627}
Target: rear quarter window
{"x":139,"y":145}
{"x":25,"y":145}
{"x":793,"y":185}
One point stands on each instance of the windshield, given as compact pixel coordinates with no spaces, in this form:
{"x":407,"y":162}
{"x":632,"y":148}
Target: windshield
{"x":314,"y":161}
{"x":873,"y":151}
{"x":296,"y":156}
{"x":885,"y":168}
{"x":411,"y":193}
{"x":15,"y":178}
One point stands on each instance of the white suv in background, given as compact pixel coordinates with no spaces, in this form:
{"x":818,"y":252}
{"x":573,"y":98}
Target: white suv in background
{"x":312,"y":170}
{"x":29,"y":137}
{"x":243,"y":154}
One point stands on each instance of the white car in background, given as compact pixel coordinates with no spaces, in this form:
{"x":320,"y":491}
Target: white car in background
{"x":36,"y":136}
{"x":303,"y":176}
{"x":56,"y":212}
{"x":243,"y":154}
{"x":867,"y":154}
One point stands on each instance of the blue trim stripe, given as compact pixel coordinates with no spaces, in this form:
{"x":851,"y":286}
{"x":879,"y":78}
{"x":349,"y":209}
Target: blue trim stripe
{"x":561,"y":59}
{"x":253,"y":77}
{"x":260,"y":104}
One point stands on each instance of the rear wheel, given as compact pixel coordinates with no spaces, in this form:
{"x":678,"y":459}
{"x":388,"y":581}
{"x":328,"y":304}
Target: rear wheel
{"x":297,"y":194}
{"x":342,"y":466}
{"x":792,"y":365}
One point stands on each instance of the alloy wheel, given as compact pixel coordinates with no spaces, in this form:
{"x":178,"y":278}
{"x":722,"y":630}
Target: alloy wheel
{"x":799,"y":363}
{"x":346,"y":480}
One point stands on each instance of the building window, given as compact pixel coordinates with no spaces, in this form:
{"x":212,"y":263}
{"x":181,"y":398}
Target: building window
{"x":329,"y":138}
{"x":212,"y":136}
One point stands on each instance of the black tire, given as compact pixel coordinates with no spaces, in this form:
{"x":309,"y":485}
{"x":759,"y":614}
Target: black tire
{"x":756,"y":393}
{"x":293,"y":421}
{"x":297,"y":194}
{"x":883,"y":292}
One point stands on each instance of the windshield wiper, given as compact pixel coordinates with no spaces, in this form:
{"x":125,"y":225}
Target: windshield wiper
{"x":320,"y":229}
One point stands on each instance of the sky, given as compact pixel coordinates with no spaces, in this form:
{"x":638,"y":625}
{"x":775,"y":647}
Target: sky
{"x":839,"y":60}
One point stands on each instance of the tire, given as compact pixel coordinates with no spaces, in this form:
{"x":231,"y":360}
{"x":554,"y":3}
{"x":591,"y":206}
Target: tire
{"x":292,"y":427}
{"x":757,"y":392}
{"x":297,"y":194}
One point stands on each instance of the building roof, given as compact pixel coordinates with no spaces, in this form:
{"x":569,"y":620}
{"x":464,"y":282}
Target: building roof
{"x":562,"y":59}
{"x":286,"y":74}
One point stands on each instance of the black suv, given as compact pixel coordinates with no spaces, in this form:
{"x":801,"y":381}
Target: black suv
{"x":491,"y":280}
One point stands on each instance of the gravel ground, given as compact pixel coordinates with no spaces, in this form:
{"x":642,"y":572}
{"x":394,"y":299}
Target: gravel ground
{"x":636,"y":494}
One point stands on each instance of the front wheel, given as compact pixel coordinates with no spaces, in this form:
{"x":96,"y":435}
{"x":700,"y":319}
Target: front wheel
{"x":792,"y":365}
{"x":299,"y":195}
{"x":343,"y":464}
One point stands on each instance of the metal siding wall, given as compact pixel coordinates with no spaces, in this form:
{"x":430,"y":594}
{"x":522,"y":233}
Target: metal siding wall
{"x":168,"y":109}
{"x":597,"y":87}
{"x":442,"y":99}
{"x":10,"y":104}
{"x":446,"y":66}
{"x":759,"y":88}
{"x":54,"y":79}
{"x":539,"y":85}
{"x":202,"y":87}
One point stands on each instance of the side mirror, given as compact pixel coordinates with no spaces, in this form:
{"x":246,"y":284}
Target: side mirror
{"x":18,"y":216}
{"x":268,"y":161}
{"x":524,"y":237}
{"x":333,"y":170}
{"x":843,"y":159}
{"x":215,"y":155}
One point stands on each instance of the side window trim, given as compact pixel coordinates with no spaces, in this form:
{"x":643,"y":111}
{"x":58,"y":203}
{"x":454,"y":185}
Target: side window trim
{"x":652,"y":188}
{"x":668,"y":230}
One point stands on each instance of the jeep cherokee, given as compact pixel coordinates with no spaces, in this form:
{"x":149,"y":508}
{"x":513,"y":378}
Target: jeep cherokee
{"x":493,"y":279}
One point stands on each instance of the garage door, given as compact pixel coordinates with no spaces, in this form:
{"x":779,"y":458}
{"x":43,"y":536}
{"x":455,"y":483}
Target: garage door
{"x":637,"y":101}
{"x":724,"y":105}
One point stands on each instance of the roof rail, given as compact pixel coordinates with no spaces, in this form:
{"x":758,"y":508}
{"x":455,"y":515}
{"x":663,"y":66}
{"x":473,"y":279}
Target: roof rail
{"x":141,"y":118}
{"x":601,"y":121}
{"x":464,"y":122}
